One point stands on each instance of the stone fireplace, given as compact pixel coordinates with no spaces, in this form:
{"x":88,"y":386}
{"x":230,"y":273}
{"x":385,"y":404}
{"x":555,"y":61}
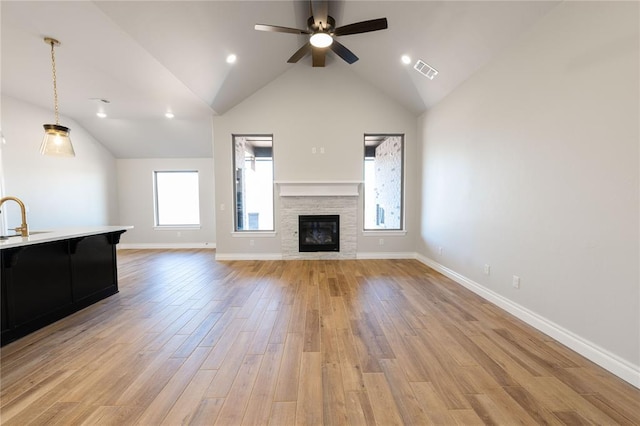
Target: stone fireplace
{"x":319,"y":199}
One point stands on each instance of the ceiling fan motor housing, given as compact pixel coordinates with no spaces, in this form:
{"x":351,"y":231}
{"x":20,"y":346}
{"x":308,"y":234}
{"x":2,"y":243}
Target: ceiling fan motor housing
{"x":329,"y":26}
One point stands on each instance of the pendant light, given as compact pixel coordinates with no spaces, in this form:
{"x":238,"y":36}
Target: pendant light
{"x":56,"y":140}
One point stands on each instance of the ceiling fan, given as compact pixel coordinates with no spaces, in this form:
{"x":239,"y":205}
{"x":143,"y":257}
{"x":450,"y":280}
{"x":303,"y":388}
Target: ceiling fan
{"x":322,"y":31}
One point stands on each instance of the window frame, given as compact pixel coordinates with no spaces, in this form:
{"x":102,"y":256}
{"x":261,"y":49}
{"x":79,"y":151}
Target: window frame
{"x":251,"y":232}
{"x":156,"y":208}
{"x":401,"y":230}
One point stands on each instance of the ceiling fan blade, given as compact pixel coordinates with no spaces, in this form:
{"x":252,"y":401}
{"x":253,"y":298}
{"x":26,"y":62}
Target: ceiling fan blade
{"x":343,"y":52}
{"x":276,"y":29}
{"x":318,"y":56}
{"x":362,"y":27}
{"x":320,"y":12}
{"x":301,"y":53}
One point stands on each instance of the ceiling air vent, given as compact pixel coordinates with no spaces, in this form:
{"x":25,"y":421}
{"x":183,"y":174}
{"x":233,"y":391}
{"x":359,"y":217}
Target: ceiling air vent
{"x":425,"y":69}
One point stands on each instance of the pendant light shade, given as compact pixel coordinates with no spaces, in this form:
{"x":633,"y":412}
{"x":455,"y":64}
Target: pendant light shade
{"x":56,"y":139}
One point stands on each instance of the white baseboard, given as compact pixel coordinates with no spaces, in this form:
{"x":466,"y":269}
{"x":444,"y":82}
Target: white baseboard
{"x":278,"y":256}
{"x":386,"y":255}
{"x":161,"y":246}
{"x":248,"y":256}
{"x":605,"y":359}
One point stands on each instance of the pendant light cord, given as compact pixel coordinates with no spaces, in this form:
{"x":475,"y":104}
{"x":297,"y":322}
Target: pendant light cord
{"x":55,"y":86}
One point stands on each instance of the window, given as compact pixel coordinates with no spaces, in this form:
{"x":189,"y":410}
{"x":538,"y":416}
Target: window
{"x":177,"y":198}
{"x":383,"y":182}
{"x":253,"y":177}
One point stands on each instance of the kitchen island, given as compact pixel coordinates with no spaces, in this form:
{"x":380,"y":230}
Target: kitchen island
{"x":51,"y":274}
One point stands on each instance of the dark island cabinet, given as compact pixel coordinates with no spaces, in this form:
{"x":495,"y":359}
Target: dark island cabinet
{"x":42,"y":283}
{"x":93,"y":267}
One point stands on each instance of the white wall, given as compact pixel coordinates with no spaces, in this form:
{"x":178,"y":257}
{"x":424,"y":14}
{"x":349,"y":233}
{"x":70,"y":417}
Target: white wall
{"x":532,"y":167}
{"x":135,"y":191}
{"x":326,"y":108}
{"x":59,"y":192}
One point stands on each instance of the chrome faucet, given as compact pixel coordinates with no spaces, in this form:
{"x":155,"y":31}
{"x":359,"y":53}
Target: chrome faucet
{"x":24,"y":228}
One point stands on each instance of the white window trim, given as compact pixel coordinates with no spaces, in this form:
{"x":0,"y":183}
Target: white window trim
{"x":176,"y":227}
{"x":158,"y":227}
{"x":391,"y":232}
{"x":382,"y":232}
{"x":253,"y":234}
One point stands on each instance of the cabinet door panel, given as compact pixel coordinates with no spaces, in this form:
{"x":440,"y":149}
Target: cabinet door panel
{"x":39,"y":281}
{"x":3,"y":296}
{"x":93,"y":263}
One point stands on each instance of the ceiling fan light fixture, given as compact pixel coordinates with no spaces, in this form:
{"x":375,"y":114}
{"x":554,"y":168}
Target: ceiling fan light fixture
{"x":321,"y":40}
{"x":321,"y":29}
{"x":56,"y":141}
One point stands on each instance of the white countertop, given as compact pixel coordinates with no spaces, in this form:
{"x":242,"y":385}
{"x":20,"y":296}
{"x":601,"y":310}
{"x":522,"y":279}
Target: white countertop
{"x":43,"y":236}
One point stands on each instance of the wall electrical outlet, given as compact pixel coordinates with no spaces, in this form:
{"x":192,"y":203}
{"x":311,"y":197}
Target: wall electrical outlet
{"x":487,"y":269}
{"x":381,"y":241}
{"x":516,"y":281}
{"x":252,"y":243}
{"x":313,"y":150}
{"x":440,"y":250}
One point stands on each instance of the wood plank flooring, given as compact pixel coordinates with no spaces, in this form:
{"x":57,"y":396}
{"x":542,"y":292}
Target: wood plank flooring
{"x":189,"y":340}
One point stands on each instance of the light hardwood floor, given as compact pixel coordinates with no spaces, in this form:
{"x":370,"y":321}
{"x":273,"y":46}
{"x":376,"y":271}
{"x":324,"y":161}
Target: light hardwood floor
{"x":189,"y":340}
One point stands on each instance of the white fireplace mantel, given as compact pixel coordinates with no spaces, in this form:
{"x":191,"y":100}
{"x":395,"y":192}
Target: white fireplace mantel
{"x":319,"y":189}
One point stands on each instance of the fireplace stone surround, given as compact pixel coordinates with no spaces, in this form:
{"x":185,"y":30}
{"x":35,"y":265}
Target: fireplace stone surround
{"x":318,"y":198}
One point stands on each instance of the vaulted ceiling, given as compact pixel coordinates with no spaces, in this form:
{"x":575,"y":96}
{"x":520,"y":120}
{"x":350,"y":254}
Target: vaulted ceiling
{"x":150,"y":57}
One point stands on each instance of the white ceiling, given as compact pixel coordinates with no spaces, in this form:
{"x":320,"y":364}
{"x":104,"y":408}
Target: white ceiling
{"x":147,"y":57}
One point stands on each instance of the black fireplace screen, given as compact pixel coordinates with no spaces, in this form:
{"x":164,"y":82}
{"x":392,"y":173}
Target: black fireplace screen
{"x":319,"y":233}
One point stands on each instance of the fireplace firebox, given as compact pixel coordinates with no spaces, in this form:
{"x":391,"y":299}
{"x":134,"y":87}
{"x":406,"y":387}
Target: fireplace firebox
{"x":319,"y":233}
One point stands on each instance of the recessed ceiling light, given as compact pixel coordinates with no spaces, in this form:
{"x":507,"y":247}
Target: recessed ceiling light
{"x":406,"y":59}
{"x":169,"y":115}
{"x":101,"y":114}
{"x":231,"y":59}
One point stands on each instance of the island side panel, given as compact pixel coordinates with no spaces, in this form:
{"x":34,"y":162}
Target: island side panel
{"x":94,"y":273}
